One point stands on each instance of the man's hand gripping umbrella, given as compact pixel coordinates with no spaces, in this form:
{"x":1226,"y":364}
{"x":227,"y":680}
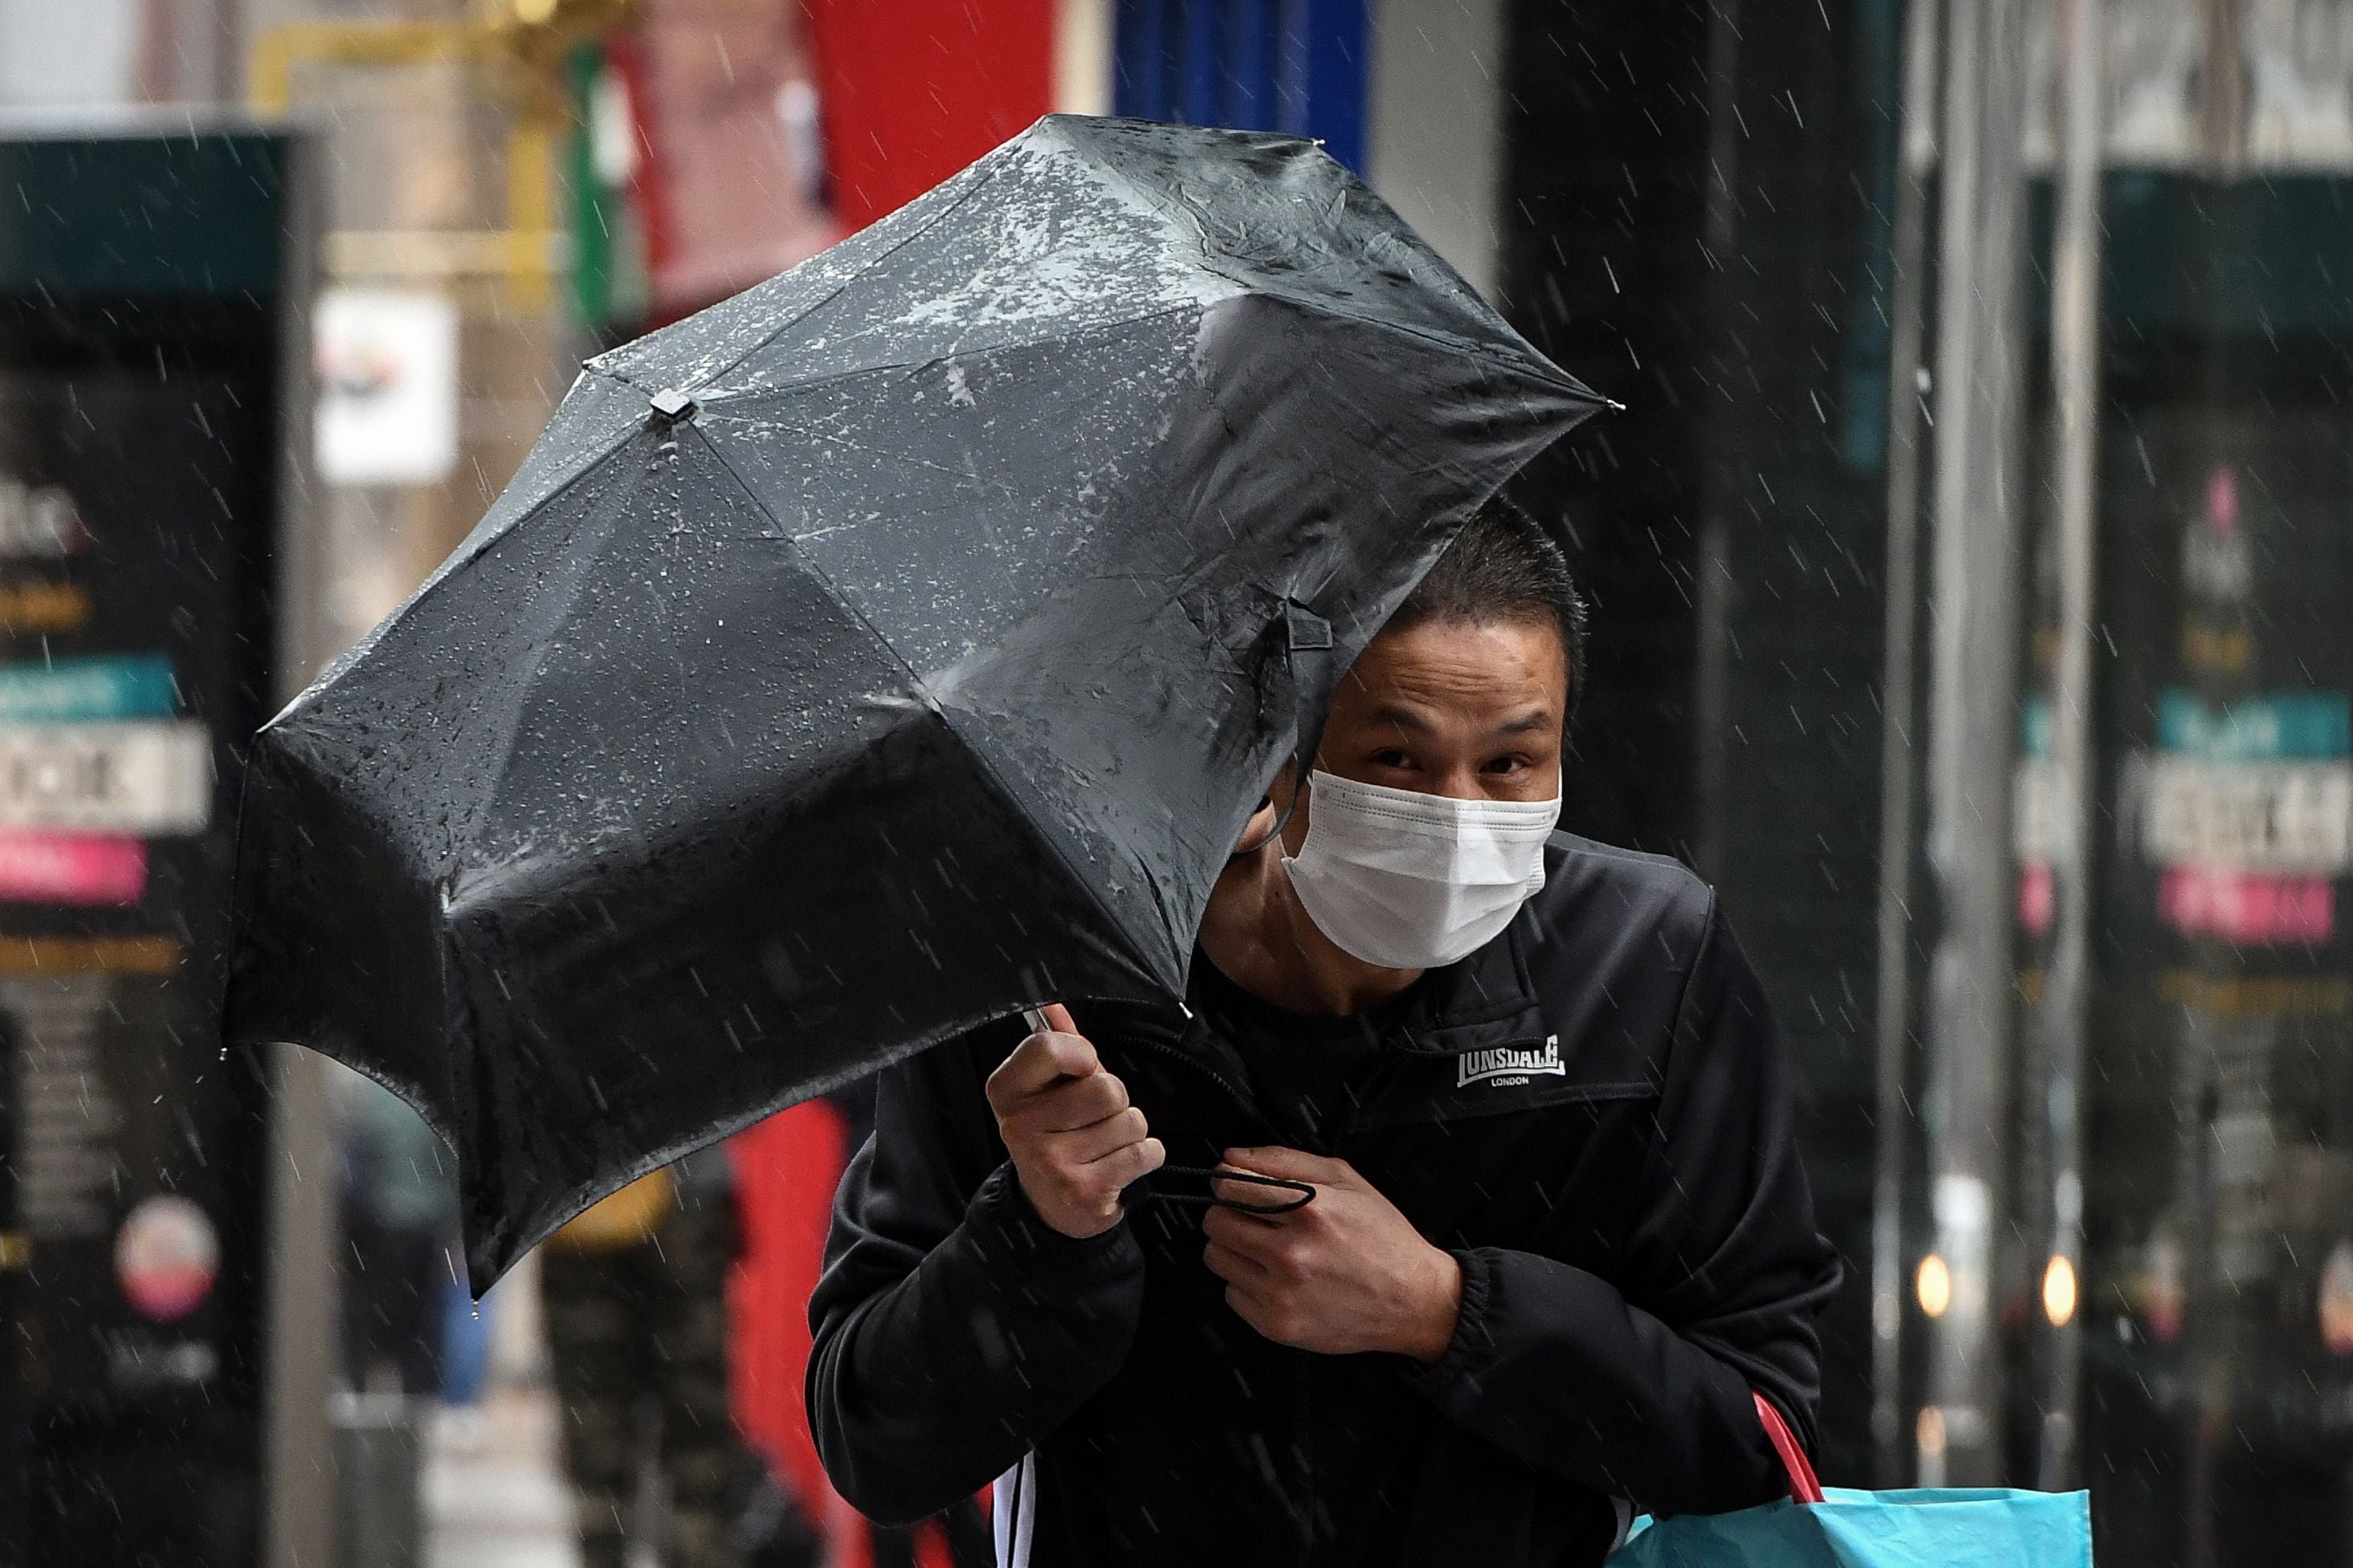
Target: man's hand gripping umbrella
{"x":1078,"y":1144}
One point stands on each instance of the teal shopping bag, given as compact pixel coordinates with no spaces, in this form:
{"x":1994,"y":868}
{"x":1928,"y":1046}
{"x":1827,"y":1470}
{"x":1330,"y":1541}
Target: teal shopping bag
{"x":1952,"y":1527}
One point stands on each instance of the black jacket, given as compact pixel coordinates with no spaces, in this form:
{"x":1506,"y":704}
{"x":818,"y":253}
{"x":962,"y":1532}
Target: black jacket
{"x":1637,"y":1242}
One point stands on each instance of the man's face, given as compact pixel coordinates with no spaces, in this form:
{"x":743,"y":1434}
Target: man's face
{"x":1470,"y":710}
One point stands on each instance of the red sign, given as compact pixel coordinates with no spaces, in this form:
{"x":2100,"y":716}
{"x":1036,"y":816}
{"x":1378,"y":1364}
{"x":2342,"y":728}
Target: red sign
{"x":84,"y":869}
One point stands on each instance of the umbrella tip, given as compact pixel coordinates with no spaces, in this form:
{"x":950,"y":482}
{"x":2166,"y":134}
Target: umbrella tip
{"x":670,"y":405}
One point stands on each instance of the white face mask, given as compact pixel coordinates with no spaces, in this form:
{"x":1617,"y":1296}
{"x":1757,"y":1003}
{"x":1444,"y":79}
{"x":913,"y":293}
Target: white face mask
{"x":1408,"y":880}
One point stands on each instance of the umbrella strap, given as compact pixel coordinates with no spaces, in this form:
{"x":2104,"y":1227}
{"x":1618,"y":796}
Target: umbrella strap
{"x":1303,"y":1192}
{"x":1036,"y":1019}
{"x":1312,"y":675}
{"x":1309,"y":657}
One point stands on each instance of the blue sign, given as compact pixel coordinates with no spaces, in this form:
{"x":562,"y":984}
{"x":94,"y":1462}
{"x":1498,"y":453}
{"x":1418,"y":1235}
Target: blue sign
{"x":88,"y":690}
{"x":2288,"y":726}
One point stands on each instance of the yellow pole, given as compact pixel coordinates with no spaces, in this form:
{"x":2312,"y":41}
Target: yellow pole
{"x":530,"y":202}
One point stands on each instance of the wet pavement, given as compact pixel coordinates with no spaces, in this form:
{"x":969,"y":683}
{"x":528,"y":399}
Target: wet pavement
{"x":494,"y":1493}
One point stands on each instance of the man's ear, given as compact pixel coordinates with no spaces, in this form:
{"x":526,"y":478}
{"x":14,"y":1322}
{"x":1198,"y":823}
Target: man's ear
{"x":1272,"y":814}
{"x":1282,"y":800}
{"x":1264,"y":820}
{"x":1283,"y":790}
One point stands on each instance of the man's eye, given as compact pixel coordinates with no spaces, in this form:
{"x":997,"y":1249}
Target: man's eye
{"x":1506,"y":764}
{"x":1392,"y":759}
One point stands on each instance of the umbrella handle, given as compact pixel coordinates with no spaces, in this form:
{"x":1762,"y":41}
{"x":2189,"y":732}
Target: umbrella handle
{"x":1304,"y":1193}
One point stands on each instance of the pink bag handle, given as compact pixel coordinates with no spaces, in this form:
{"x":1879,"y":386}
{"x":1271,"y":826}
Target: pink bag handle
{"x":1803,"y":1487}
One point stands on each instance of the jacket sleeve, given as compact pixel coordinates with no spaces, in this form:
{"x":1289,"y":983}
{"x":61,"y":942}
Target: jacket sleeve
{"x":1640,"y":1385}
{"x":952,"y":1327}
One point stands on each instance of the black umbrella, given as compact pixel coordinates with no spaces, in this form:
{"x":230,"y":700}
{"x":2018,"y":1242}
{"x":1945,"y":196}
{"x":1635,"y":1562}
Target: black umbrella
{"x":898,"y":644}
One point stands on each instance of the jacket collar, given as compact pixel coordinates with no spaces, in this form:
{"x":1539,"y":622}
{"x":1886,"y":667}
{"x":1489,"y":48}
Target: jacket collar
{"x":1484,"y":1000}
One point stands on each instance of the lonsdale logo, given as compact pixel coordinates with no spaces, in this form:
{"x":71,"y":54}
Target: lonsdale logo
{"x":1501,"y":1068}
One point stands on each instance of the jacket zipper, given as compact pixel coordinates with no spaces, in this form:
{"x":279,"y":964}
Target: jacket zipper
{"x":1233,"y":1091}
{"x":1302,"y":1377}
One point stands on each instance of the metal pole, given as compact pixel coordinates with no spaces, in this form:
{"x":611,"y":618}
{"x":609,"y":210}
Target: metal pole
{"x":298,"y":1456}
{"x":1717,"y":590}
{"x":15,"y":1259}
{"x":2076,"y":385}
{"x":1972,"y":722}
{"x":1898,"y":780}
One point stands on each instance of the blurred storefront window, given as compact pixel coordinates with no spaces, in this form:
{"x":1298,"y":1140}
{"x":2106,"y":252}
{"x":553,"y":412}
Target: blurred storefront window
{"x":148,"y":286}
{"x":2219,"y":1192}
{"x":1710,"y":203}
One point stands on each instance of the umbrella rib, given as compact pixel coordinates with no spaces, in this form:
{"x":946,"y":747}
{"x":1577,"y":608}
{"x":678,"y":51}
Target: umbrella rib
{"x":1178,"y":207}
{"x":539,"y":644}
{"x":915,"y":683}
{"x":1486,"y":356}
{"x":786,"y":325}
{"x":583,"y":468}
{"x":758,"y":395}
{"x":457,"y":560}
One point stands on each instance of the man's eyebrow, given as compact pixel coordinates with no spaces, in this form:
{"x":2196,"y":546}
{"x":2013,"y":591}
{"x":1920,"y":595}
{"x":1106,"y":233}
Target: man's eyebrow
{"x":1404,"y":718}
{"x":1414,"y":720}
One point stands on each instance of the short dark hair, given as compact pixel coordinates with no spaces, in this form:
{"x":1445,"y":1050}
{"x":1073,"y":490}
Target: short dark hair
{"x":1504,"y":566}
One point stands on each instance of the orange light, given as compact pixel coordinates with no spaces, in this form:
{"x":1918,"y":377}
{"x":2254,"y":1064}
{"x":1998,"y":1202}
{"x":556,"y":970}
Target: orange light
{"x":1934,"y":1285}
{"x":2337,"y":1301}
{"x":2058,"y":1292}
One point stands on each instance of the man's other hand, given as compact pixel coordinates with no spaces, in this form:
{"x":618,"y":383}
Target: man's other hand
{"x":1347,"y":1273}
{"x":1075,"y":1141}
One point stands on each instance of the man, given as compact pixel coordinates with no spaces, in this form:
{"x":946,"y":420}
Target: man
{"x":1559,"y":1238}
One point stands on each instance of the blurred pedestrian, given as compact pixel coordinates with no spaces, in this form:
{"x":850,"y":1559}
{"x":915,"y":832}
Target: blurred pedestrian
{"x":635,"y":1308}
{"x":400,"y":1229}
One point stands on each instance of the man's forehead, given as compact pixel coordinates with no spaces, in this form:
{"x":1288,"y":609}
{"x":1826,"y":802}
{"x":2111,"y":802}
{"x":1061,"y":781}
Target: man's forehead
{"x":1421,"y":718}
{"x":1502,"y":657}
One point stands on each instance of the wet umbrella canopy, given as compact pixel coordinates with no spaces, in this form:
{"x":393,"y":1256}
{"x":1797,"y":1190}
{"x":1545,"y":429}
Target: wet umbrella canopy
{"x":892,"y":647}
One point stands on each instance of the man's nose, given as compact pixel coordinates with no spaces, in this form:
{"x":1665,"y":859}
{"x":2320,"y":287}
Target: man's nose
{"x":1462,"y":782}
